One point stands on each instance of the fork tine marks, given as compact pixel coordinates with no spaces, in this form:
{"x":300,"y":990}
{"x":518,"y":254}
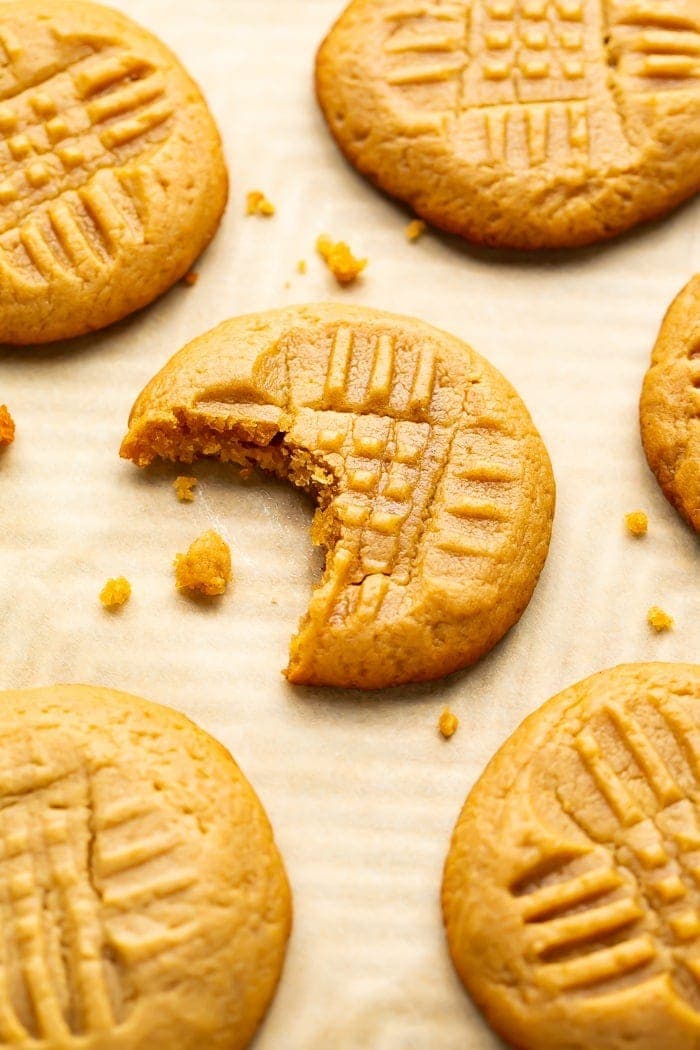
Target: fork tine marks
{"x":39,"y":251}
{"x":606,"y":779}
{"x":586,"y":971}
{"x":82,"y":930}
{"x":28,"y":926}
{"x":559,"y":896}
{"x":645,"y":755}
{"x":585,"y":925}
{"x":124,"y":132}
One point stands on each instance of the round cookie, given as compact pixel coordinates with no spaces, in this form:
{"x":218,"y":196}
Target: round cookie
{"x":520,"y":123}
{"x":571,"y":892}
{"x":144,"y":902}
{"x":434,"y":489}
{"x":112,"y":177}
{"x":669,"y":409}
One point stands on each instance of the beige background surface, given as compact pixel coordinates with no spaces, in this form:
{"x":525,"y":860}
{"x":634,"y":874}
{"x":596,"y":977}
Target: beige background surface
{"x":362,"y":791}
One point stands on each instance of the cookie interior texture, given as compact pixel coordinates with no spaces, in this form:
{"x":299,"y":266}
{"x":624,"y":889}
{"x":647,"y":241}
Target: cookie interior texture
{"x":571,"y":892}
{"x":435,"y":493}
{"x":670,"y":405}
{"x":144,"y":901}
{"x":521,"y":123}
{"x":112,"y":177}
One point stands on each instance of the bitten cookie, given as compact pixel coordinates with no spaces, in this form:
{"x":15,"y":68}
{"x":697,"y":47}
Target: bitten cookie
{"x":520,"y":123}
{"x":670,"y":405}
{"x":435,"y":492}
{"x":144,"y":902}
{"x":112,"y":178}
{"x":571,"y":892}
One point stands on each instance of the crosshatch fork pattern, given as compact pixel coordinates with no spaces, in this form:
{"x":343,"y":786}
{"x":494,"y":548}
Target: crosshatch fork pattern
{"x":526,"y":75}
{"x":66,"y":204}
{"x":396,"y":445}
{"x":75,"y":864}
{"x":588,"y":926}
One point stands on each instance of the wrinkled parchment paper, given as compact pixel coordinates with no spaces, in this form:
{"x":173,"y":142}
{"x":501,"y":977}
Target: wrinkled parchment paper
{"x":361,"y":789}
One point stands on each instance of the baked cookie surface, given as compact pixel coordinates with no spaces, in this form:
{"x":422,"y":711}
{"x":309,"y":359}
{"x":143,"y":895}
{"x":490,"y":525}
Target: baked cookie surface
{"x":435,"y":492}
{"x":112,"y":178}
{"x":669,"y":409}
{"x":520,"y":123}
{"x":571,"y":892}
{"x":145,"y":905}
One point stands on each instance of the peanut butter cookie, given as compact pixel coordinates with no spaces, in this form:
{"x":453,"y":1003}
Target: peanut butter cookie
{"x":144,"y":901}
{"x":521,"y":123}
{"x":571,"y":893}
{"x":435,"y":493}
{"x":112,"y":178}
{"x":670,"y":405}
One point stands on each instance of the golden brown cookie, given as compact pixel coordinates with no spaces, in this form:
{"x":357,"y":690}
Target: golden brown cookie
{"x":572,"y":888}
{"x":435,"y":492}
{"x":112,"y":178}
{"x":669,"y":410}
{"x":522,"y":123}
{"x":144,"y":903}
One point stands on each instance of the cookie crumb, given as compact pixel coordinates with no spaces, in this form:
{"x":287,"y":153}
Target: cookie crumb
{"x":184,"y":488}
{"x":258,"y":204}
{"x":637,"y":523}
{"x":415,"y":229}
{"x":337,"y":255}
{"x":448,"y":723}
{"x":206,"y":568}
{"x":115,"y":593}
{"x":302,"y":266}
{"x":659,"y":620}
{"x":191,"y":278}
{"x":7,"y":427}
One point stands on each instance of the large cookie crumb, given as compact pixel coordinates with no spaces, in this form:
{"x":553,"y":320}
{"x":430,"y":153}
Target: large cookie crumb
{"x":637,"y":523}
{"x":115,"y":593}
{"x":340,"y":260}
{"x":659,"y":620}
{"x":206,"y":567}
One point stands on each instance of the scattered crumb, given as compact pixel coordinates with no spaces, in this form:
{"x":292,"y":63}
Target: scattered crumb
{"x":206,"y":568}
{"x":448,"y":723}
{"x":115,"y":593}
{"x":191,"y":278}
{"x":184,"y":488}
{"x":258,"y":204}
{"x":246,"y":472}
{"x":659,"y":620}
{"x":287,"y":284}
{"x":302,"y":266}
{"x":339,"y":259}
{"x":7,"y":427}
{"x":637,"y":523}
{"x":415,"y":229}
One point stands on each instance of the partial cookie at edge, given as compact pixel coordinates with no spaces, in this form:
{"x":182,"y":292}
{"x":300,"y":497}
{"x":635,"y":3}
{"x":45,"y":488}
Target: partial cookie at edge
{"x":145,"y":903}
{"x":670,"y":405}
{"x":570,"y":891}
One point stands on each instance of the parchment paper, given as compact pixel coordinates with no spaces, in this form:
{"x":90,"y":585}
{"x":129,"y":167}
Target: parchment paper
{"x":362,"y":791}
